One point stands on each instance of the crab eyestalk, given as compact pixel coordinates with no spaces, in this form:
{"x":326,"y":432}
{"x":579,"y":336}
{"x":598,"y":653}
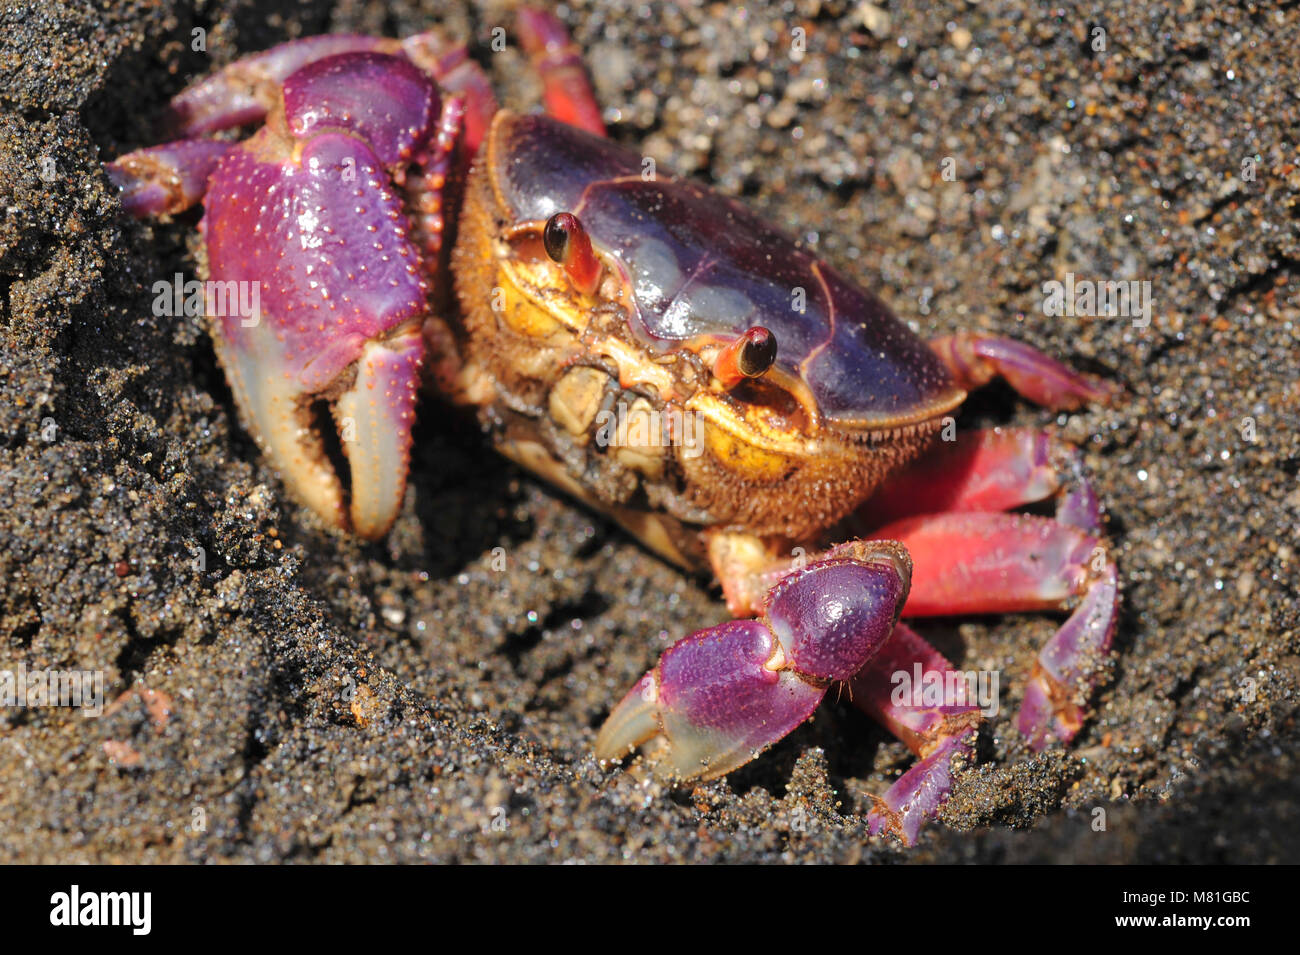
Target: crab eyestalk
{"x":749,"y":356}
{"x":569,"y":246}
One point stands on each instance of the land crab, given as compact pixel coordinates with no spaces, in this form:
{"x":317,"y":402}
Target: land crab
{"x":655,"y":350}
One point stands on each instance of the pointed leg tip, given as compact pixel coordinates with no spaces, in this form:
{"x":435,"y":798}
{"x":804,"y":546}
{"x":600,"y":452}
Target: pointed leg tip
{"x":375,"y":418}
{"x":919,"y":794}
{"x":376,"y":531}
{"x":1047,"y":716}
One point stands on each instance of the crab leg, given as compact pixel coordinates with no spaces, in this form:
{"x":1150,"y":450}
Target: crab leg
{"x":970,"y":563}
{"x":245,"y":91}
{"x":913,"y":691}
{"x":975,"y":360}
{"x":989,"y":470}
{"x":973,"y":563}
{"x":565,"y":87}
{"x":165,"y":179}
{"x":719,"y":697}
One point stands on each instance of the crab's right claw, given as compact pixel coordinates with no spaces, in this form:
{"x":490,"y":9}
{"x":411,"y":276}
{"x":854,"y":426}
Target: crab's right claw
{"x":373,"y":417}
{"x":330,"y":320}
{"x":335,"y":327}
{"x":307,"y":226}
{"x":721,"y":696}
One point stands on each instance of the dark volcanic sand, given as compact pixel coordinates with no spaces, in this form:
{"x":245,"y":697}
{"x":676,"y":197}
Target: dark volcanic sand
{"x":331,"y":701}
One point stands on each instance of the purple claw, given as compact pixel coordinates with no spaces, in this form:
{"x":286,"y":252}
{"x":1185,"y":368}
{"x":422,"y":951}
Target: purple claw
{"x":722,"y":695}
{"x":718,"y":698}
{"x":339,"y":275}
{"x":828,"y":616}
{"x":386,"y":101}
{"x":323,"y":234}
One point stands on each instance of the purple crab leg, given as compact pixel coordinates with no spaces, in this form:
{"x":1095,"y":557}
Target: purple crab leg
{"x":1070,"y":667}
{"x":165,"y":179}
{"x":969,"y":563}
{"x":719,"y":697}
{"x":975,"y":360}
{"x":913,"y":691}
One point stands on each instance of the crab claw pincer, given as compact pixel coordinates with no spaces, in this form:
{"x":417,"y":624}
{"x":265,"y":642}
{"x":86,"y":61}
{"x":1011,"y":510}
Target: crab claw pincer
{"x":721,"y":696}
{"x":316,"y":214}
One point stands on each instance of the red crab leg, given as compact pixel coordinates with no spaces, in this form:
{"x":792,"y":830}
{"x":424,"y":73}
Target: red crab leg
{"x":975,"y":360}
{"x":990,"y":470}
{"x":971,"y":563}
{"x":910,"y":689}
{"x":1000,"y":563}
{"x":565,"y":87}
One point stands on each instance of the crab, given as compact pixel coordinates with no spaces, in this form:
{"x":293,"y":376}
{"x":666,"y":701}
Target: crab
{"x":657,"y":351}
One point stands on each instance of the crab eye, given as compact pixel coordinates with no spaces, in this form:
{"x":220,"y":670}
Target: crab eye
{"x":750,"y":355}
{"x":757,"y":352}
{"x":568,"y":245}
{"x":556,"y":235}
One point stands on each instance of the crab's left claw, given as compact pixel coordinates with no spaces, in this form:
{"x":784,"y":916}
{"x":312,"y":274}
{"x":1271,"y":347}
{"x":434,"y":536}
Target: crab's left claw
{"x":721,"y":696}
